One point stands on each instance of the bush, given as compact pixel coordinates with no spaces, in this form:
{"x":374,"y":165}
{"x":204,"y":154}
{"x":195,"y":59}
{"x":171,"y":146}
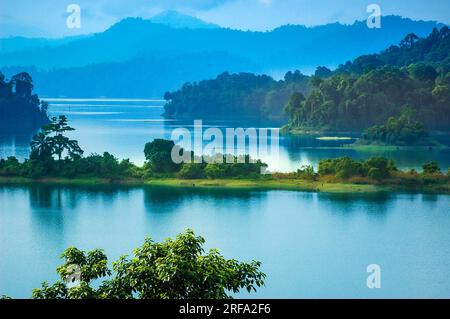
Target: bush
{"x":192,"y":171}
{"x":174,"y":269}
{"x":378,"y":168}
{"x":431,"y":168}
{"x":327,"y":167}
{"x":159,"y":154}
{"x":307,"y":172}
{"x":12,"y":167}
{"x":216,"y":170}
{"x":346,"y":168}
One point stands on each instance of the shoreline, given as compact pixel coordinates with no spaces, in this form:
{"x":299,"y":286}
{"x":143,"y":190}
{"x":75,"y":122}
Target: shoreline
{"x":245,"y":184}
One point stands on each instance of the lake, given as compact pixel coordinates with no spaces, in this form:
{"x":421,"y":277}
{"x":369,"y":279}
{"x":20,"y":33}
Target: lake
{"x":123,"y":126}
{"x":312,"y":245}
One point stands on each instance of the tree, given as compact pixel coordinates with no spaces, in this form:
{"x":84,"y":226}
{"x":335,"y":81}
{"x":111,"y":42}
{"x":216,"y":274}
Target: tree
{"x":174,"y":269}
{"x":60,"y":143}
{"x":159,"y":154}
{"x":431,"y":168}
{"x":41,"y":145}
{"x":23,"y":84}
{"x":409,"y":41}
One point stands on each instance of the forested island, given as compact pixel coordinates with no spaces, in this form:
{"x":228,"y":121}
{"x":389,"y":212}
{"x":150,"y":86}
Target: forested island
{"x":401,"y":131}
{"x":20,"y":109}
{"x":235,"y":95}
{"x":357,"y":95}
{"x":57,"y":159}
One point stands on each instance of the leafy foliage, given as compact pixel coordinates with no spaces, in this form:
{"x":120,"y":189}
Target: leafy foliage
{"x":159,"y":155}
{"x":371,"y":89}
{"x":431,"y":168}
{"x":174,"y":269}
{"x":246,"y":94}
{"x":375,"y":168}
{"x":401,"y":131}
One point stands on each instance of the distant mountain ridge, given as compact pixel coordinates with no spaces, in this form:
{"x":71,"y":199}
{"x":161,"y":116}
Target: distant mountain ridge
{"x":178,"y":20}
{"x":118,"y":48}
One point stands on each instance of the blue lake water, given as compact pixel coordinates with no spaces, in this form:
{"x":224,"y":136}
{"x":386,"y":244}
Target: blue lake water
{"x":310,"y":244}
{"x":122,"y":127}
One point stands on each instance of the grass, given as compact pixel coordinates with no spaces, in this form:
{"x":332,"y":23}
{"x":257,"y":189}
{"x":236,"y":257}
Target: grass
{"x":265,"y":183}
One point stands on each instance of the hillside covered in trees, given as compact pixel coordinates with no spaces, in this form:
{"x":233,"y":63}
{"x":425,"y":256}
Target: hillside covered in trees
{"x":371,"y":89}
{"x":19,"y":108}
{"x":355,"y":96}
{"x":235,"y":96}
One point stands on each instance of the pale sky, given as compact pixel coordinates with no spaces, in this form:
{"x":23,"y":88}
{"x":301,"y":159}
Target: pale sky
{"x":48,"y":17}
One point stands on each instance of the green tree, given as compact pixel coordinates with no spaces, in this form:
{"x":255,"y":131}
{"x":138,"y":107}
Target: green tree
{"x":431,"y":168}
{"x":159,"y":154}
{"x":174,"y":269}
{"x":192,"y":171}
{"x":41,"y":146}
{"x":58,"y":141}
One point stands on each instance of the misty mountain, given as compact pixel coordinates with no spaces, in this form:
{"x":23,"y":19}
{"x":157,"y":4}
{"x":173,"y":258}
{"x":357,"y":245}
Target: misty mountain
{"x":143,"y":77}
{"x":178,"y":20}
{"x":176,"y":54}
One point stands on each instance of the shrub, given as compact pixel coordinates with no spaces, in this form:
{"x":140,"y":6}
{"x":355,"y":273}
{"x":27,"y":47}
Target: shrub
{"x":174,"y":269}
{"x":431,"y":168}
{"x":216,"y":170}
{"x":192,"y":171}
{"x":307,"y":172}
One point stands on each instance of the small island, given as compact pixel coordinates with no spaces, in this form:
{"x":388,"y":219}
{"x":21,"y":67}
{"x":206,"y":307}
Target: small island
{"x":398,"y":133}
{"x":56,"y":159}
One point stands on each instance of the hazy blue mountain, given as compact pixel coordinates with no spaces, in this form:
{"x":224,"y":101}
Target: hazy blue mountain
{"x":14,"y":44}
{"x":169,"y":50}
{"x":178,"y":20}
{"x":143,"y":77}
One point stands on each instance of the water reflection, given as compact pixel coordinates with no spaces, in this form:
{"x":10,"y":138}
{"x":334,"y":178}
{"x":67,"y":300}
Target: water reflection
{"x":302,"y":239}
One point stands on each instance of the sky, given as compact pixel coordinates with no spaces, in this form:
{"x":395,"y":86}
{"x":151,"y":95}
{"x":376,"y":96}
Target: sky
{"x":47,"y":18}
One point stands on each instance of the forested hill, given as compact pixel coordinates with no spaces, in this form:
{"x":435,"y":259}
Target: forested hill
{"x":20,"y":109}
{"x":433,"y":50}
{"x":235,"y":96}
{"x":369,"y":90}
{"x":355,"y":96}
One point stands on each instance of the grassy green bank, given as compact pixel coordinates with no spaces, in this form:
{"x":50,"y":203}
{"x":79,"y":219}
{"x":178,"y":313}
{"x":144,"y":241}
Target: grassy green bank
{"x":267,"y":183}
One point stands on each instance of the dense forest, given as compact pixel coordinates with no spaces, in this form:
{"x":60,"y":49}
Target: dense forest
{"x":235,"y":96}
{"x":402,"y":131}
{"x":19,"y":107}
{"x":355,"y":96}
{"x":372,"y":88}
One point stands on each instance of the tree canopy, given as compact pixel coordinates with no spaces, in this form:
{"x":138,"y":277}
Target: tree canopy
{"x":403,"y":131}
{"x":19,"y":107}
{"x":174,"y":269}
{"x":235,"y":95}
{"x":374,"y":88}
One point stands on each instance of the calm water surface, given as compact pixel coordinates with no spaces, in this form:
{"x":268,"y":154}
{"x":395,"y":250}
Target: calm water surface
{"x":122,"y":127}
{"x":311,"y":245}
